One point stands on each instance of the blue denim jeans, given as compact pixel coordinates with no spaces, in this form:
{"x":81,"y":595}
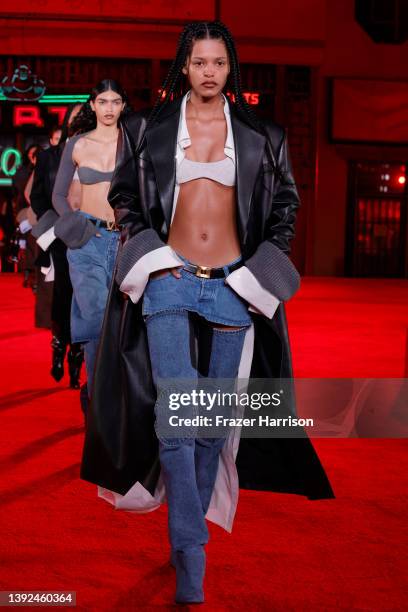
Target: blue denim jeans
{"x":189,"y":466}
{"x":91,"y":269}
{"x":209,"y":297}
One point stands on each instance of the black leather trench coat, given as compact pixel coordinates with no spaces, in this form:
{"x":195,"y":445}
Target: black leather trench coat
{"x":120,"y":444}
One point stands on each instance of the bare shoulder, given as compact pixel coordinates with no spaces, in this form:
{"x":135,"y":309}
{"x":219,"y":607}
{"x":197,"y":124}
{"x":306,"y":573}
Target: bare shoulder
{"x":83,"y":141}
{"x":74,"y":143}
{"x":82,"y":145}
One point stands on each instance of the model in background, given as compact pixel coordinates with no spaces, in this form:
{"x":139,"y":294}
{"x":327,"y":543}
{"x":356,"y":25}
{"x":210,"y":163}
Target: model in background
{"x":41,"y":202}
{"x":21,"y":204}
{"x":90,"y":233}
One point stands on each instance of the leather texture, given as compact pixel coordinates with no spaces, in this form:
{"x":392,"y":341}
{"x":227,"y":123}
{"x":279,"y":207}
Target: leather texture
{"x":44,"y":178}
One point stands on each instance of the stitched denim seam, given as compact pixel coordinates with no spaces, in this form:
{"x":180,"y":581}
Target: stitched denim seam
{"x":216,"y":320}
{"x":233,"y":331}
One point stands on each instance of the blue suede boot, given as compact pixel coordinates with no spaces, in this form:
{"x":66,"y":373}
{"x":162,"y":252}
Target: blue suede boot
{"x":190,"y":571}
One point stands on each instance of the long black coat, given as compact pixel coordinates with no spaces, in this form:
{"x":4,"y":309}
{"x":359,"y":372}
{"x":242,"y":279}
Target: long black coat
{"x":41,"y":201}
{"x":44,"y":178}
{"x":41,"y":195}
{"x":120,"y":444}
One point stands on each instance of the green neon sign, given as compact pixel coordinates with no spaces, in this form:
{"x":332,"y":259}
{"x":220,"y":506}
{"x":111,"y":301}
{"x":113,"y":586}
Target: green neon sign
{"x":61,"y":99}
{"x":10,"y":154}
{"x":6,"y":182}
{"x":54,"y":98}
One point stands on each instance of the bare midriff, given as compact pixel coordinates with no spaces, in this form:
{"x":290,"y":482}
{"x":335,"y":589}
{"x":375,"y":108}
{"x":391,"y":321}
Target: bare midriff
{"x":204,"y":228}
{"x":94,"y":201}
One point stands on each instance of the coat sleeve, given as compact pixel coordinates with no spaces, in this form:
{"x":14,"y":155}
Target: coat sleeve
{"x":142,"y":250}
{"x":43,"y":231}
{"x":38,"y":197}
{"x":269,"y":276}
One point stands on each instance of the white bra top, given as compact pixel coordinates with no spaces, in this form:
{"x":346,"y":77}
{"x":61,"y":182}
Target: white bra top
{"x":222,"y":171}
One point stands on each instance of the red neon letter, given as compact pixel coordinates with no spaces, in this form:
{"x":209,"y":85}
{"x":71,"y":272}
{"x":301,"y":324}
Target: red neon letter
{"x":27,"y":115}
{"x":59,"y":111}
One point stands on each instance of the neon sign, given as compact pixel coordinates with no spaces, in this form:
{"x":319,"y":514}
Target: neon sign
{"x":10,"y":160}
{"x":27,"y":115}
{"x":36,"y":115}
{"x":252,"y":97}
{"x":31,"y":115}
{"x":60,"y":111}
{"x":23,"y":86}
{"x":56,"y":98}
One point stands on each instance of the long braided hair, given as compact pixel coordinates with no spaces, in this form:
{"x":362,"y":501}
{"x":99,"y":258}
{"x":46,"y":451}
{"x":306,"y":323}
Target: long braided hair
{"x":85,"y":120}
{"x":173,"y":84}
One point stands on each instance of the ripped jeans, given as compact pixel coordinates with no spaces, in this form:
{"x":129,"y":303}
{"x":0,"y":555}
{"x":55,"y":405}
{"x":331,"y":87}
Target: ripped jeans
{"x":189,"y":466}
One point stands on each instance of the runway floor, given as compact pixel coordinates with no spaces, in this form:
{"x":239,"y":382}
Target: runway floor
{"x":285,"y":553}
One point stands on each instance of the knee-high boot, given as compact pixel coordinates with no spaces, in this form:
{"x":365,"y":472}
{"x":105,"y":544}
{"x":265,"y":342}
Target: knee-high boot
{"x":59,"y":348}
{"x":75,"y":360}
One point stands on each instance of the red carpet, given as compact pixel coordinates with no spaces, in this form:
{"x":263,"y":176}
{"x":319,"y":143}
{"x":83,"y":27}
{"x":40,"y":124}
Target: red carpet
{"x":286,"y":553}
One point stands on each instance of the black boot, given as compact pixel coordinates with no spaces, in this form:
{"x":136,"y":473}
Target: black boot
{"x":58,"y":354}
{"x":75,"y":360}
{"x":84,"y":399}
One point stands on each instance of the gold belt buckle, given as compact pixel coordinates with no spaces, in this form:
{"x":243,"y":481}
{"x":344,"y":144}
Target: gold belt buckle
{"x":203,"y":272}
{"x":111,"y":226}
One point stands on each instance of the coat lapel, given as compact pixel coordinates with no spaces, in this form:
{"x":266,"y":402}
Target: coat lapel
{"x":161,"y":143}
{"x":249,"y":148}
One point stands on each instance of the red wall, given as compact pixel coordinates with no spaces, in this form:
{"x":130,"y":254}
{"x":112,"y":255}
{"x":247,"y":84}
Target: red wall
{"x":318,"y":33}
{"x":348,"y":52}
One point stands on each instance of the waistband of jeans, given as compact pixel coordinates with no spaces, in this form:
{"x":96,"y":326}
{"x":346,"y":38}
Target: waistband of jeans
{"x":97,"y":221}
{"x":89,"y":216}
{"x":229,"y":263}
{"x":226,"y":267}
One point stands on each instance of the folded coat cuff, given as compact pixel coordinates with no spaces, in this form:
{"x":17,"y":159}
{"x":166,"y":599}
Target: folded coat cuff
{"x":74,"y":229}
{"x":49,"y":272}
{"x":140,"y":255}
{"x":43,"y":230}
{"x":25,"y":226}
{"x":137,"y":278}
{"x":46,"y":239}
{"x":274,"y":271}
{"x":243,"y":282}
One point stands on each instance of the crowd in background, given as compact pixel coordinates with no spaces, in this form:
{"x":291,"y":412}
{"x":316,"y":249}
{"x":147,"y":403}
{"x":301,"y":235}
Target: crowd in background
{"x":21,"y":205}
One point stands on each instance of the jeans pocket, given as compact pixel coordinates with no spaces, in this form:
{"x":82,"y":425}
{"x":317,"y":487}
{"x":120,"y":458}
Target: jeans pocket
{"x":159,"y":278}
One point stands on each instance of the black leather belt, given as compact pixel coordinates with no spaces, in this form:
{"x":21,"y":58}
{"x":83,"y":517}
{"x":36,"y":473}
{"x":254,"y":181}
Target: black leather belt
{"x":111,"y":226}
{"x":207,"y":272}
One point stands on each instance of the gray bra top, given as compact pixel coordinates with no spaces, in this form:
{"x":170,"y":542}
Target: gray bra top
{"x":90,"y":176}
{"x":66,"y":172}
{"x":221,"y":171}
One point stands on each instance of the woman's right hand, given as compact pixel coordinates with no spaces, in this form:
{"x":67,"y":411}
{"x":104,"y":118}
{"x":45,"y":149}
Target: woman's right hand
{"x":160,"y":273}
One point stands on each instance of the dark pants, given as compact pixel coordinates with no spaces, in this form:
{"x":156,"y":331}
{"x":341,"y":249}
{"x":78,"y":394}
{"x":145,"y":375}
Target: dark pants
{"x":62,"y":293}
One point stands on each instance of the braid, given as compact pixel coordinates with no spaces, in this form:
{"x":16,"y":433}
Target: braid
{"x":168,"y":88}
{"x":172,"y":84}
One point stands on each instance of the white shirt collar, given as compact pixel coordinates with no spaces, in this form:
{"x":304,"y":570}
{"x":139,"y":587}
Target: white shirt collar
{"x":183,"y":137}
